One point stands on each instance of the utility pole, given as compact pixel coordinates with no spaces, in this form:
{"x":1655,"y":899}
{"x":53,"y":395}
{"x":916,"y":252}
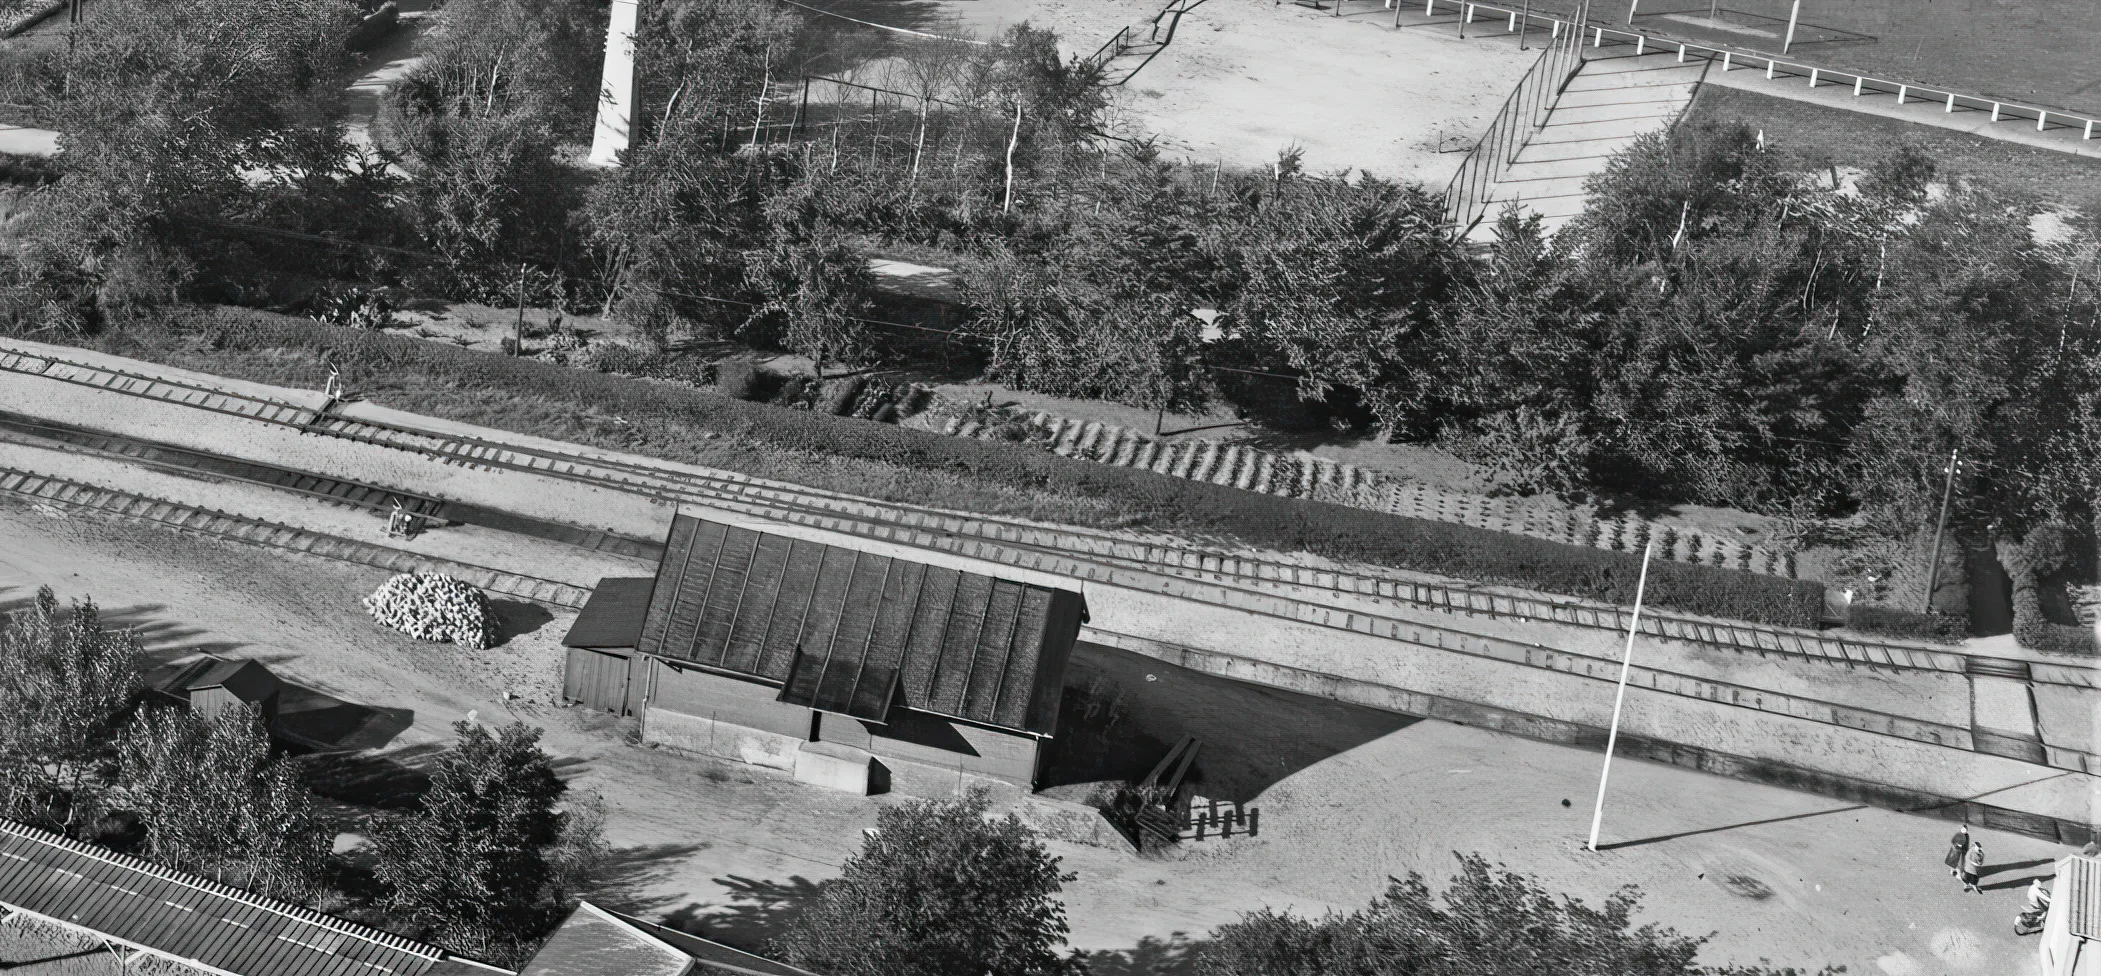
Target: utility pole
{"x":1933,"y":567}
{"x":1619,"y":700}
{"x":1793,"y":15}
{"x":518,"y":331}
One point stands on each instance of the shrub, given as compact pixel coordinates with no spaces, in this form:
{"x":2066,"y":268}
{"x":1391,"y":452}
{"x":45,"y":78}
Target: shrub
{"x":2032,"y":563}
{"x":374,"y":28}
{"x":737,"y":379}
{"x":838,"y":399}
{"x":434,"y":607}
{"x":1192,"y":507}
{"x":1893,"y":622}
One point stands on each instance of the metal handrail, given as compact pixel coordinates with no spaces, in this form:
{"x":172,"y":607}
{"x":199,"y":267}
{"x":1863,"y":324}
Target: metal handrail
{"x":1733,"y":58}
{"x":1466,"y":197}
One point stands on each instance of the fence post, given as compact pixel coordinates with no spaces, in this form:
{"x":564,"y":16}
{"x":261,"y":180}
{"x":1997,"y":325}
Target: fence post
{"x":2041,"y":116}
{"x":1951,"y":104}
{"x":1857,"y":82}
{"x":1812,"y":77}
{"x":1995,"y":111}
{"x":1725,"y":62}
{"x":2089,"y":131}
{"x":1902,"y":90}
{"x":1429,"y":10}
{"x":1769,"y":65}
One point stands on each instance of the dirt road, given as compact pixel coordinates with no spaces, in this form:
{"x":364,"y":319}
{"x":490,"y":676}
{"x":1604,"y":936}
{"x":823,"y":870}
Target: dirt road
{"x":1344,"y":800}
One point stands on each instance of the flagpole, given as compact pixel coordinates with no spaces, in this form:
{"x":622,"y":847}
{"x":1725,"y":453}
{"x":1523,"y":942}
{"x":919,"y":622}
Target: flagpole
{"x":1597,"y":813}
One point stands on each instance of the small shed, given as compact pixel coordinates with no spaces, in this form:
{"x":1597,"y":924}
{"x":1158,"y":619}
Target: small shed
{"x":914,"y":658}
{"x":212,"y":685}
{"x":601,"y":644}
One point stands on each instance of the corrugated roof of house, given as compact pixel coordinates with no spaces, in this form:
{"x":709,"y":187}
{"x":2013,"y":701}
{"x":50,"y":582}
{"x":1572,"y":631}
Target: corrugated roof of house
{"x":839,"y":628}
{"x":613,"y":615}
{"x":2083,"y":896}
{"x":193,"y":920}
{"x":594,"y":942}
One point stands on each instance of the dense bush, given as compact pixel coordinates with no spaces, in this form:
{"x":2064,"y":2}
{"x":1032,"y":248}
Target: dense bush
{"x":1264,"y":521}
{"x":2038,"y":563}
{"x":1893,"y":622}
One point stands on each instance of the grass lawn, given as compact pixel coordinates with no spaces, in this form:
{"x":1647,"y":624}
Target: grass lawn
{"x":2037,"y":51}
{"x":1815,"y":137}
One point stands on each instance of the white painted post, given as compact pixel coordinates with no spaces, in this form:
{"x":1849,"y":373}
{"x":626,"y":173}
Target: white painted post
{"x":1725,"y":62}
{"x":2089,"y":131}
{"x":1902,"y":90}
{"x":1792,"y":16}
{"x":1857,"y":81}
{"x":1619,"y":701}
{"x":1631,"y":6}
{"x":1598,"y":39}
{"x":1640,"y":40}
{"x":1995,"y":111}
{"x":1469,"y":13}
{"x":1951,"y":102}
{"x":1769,"y":63}
{"x":616,"y":99}
{"x":2041,"y":116}
{"x":1812,"y":77}
{"x":1429,"y":8}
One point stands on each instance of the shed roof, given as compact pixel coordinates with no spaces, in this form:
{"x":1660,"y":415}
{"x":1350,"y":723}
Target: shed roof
{"x":191,"y":920}
{"x":850,"y":632}
{"x":613,"y":615}
{"x":246,"y":679}
{"x":714,"y":957}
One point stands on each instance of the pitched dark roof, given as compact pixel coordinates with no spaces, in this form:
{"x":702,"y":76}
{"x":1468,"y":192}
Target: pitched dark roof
{"x":194,"y":921}
{"x":247,"y":679}
{"x":613,"y":615}
{"x":838,"y":627}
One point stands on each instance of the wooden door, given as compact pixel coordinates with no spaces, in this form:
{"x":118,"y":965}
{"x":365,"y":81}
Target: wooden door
{"x":596,"y":679}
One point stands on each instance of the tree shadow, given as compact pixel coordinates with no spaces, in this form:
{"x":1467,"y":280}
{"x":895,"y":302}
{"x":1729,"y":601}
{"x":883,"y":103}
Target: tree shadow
{"x":631,"y":870}
{"x":756,"y":913}
{"x":1176,"y":955}
{"x":1123,"y":711}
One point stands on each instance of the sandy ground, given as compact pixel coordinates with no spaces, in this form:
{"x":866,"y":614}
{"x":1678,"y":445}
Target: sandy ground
{"x":1345,"y":797}
{"x":1244,"y":79}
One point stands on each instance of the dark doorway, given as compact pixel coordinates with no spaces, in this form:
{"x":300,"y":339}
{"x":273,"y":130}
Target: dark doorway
{"x":1991,"y":593}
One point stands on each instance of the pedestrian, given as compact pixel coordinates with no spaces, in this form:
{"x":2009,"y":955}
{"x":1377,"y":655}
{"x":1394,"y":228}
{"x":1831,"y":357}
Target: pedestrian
{"x":1958,"y":848}
{"x":1972,"y":867}
{"x":2092,"y":848}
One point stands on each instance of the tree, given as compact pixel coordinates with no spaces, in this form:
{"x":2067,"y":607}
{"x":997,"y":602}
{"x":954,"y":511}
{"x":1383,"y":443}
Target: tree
{"x":939,"y":890}
{"x":66,"y":686}
{"x":167,"y":110}
{"x":213,"y":800}
{"x":1341,"y":279}
{"x":469,"y":864}
{"x":1490,"y":920}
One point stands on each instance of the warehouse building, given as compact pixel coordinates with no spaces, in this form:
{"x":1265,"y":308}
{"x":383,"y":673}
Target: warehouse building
{"x":854,"y":664}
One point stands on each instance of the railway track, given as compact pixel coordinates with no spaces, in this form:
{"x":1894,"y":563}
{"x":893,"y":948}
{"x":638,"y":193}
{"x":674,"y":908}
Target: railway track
{"x":1073,"y":552}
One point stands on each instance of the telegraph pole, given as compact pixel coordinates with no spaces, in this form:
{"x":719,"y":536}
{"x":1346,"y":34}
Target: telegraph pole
{"x":1619,"y":700}
{"x":1940,"y":528}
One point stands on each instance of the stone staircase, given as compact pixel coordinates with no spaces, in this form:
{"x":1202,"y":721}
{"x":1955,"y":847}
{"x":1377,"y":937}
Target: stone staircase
{"x":1611,"y":102}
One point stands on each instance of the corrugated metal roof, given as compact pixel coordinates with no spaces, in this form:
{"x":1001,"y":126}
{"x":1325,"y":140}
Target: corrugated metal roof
{"x":838,"y":626}
{"x":190,"y":919}
{"x":593,"y":942}
{"x":613,"y":615}
{"x":714,"y":957}
{"x":2083,"y":896}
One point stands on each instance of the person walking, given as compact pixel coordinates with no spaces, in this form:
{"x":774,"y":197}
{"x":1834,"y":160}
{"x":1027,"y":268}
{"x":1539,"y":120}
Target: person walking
{"x":1972,"y":868}
{"x":1958,"y":848}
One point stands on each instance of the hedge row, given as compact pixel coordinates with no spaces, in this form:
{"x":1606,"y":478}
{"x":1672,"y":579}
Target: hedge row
{"x":1892,"y":622}
{"x":1261,"y":521}
{"x":2032,"y":626}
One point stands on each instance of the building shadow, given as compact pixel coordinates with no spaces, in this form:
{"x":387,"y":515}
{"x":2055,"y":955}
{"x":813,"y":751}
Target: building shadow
{"x":516,"y":618}
{"x":1176,"y":955}
{"x":393,"y":781}
{"x":1122,"y":712}
{"x":757,"y":913}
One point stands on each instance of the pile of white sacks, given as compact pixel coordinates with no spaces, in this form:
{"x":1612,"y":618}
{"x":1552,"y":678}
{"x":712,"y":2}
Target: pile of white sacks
{"x":434,"y":607}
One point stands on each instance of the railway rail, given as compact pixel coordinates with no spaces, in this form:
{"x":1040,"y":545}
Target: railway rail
{"x":1068,"y":551}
